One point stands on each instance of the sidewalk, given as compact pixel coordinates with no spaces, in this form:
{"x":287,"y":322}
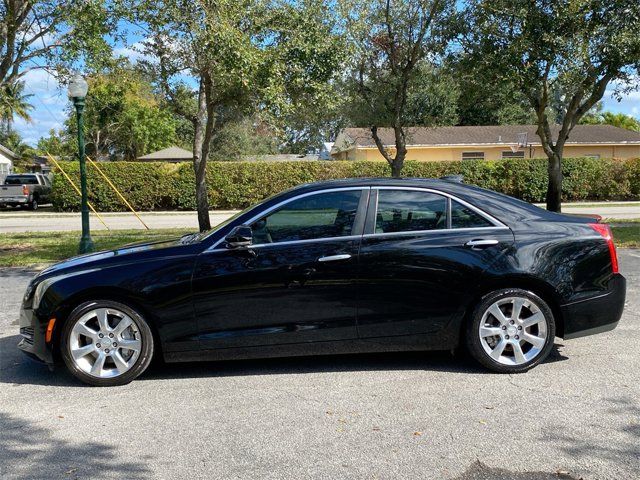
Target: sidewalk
{"x":23,"y":221}
{"x":46,"y":221}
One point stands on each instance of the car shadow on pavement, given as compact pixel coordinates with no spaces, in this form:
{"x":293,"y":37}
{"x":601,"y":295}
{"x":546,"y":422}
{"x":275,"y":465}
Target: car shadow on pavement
{"x":16,"y":368}
{"x":30,"y":452}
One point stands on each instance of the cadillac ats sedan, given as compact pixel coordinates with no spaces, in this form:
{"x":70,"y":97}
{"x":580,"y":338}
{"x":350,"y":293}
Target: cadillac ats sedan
{"x":358,"y":265}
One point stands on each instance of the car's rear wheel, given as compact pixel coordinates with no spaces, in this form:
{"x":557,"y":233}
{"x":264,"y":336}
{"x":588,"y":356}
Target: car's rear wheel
{"x":106,"y":343}
{"x":34,"y":204}
{"x":511,"y":331}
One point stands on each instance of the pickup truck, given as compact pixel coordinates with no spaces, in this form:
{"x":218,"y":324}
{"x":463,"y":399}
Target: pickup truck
{"x":25,"y":190}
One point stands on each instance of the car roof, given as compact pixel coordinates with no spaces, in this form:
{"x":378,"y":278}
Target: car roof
{"x":374,"y":181}
{"x":507,"y":209}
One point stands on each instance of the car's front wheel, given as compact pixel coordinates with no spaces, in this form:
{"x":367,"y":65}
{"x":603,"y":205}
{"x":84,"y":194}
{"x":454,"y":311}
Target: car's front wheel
{"x":511,"y":331}
{"x":106,"y":343}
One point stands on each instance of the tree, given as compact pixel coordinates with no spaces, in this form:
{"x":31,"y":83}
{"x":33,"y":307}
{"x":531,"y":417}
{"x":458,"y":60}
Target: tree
{"x":502,"y":104}
{"x":49,"y":33}
{"x":218,"y":61}
{"x":13,"y":103}
{"x":13,"y":141}
{"x":619,"y":120}
{"x":244,"y":137}
{"x":562,"y":52}
{"x":393,"y":44}
{"x":59,"y":143}
{"x":123,"y":118}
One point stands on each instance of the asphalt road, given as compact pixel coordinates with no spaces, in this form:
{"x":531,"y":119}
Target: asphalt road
{"x":15,"y":220}
{"x":405,"y":416}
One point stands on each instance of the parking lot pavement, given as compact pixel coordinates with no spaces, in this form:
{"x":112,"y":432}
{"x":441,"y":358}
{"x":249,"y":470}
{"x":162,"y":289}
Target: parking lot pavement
{"x":423,"y":416}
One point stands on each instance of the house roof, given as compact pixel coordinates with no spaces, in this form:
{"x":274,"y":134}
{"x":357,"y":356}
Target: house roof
{"x":171,"y":153}
{"x":484,"y":135}
{"x":8,"y":153}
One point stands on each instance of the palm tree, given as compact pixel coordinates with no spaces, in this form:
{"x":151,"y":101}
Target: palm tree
{"x":13,"y":103}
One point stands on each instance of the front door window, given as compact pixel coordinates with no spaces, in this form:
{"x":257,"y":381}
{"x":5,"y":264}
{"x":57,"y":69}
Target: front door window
{"x":324,"y":215}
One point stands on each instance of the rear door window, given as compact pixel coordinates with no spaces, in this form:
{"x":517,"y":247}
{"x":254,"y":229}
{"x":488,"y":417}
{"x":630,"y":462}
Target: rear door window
{"x":410,"y":211}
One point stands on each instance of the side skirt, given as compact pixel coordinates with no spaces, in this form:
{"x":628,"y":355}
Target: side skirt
{"x":388,"y":344}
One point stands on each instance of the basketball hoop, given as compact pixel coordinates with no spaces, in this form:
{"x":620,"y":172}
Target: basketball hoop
{"x":522,"y":140}
{"x":514,"y":148}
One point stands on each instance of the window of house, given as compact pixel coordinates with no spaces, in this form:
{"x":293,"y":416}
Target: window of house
{"x":472,"y":155}
{"x":464,"y":217}
{"x":510,"y":154}
{"x":409,"y":211}
{"x":593,"y":155}
{"x":323,"y":215}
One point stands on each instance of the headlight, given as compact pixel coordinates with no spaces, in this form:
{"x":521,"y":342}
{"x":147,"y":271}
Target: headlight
{"x":42,"y":287}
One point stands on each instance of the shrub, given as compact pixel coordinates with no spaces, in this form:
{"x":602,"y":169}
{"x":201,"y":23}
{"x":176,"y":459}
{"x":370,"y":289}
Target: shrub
{"x":163,"y":186}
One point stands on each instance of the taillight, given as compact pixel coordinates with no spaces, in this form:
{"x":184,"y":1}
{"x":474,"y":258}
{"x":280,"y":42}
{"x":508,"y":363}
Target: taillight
{"x":605,"y":231}
{"x":25,"y":190}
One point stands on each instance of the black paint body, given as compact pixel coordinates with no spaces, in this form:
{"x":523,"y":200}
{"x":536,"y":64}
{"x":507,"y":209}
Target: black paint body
{"x":404,"y":291}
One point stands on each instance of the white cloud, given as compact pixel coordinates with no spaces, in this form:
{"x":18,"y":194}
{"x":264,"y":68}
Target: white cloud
{"x":132,"y":52}
{"x":49,"y":102}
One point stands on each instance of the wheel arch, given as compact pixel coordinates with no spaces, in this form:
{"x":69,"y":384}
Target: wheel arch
{"x":114,"y":294}
{"x":526,"y":282}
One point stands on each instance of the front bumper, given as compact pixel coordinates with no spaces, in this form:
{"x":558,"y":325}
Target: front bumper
{"x":597,"y":314}
{"x":33,"y":333}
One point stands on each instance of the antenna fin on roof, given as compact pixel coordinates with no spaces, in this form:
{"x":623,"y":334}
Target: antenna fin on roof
{"x":453,"y":178}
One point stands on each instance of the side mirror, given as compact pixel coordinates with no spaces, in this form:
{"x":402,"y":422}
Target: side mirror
{"x":240,"y":236}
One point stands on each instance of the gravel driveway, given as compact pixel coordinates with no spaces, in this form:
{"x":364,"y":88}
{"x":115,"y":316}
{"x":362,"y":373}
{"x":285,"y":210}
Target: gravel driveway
{"x":423,"y":416}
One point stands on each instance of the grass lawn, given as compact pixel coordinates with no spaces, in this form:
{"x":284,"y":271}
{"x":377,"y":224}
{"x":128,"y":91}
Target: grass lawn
{"x":43,"y":248}
{"x":627,"y":236}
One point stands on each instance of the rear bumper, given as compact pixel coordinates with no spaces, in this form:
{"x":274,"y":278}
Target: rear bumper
{"x":14,"y":200}
{"x":597,"y":314}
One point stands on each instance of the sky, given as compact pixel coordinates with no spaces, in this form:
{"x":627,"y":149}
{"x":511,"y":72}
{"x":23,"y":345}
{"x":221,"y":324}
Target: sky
{"x":50,"y":102}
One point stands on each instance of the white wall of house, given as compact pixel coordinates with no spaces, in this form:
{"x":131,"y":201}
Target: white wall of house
{"x":6,"y":166}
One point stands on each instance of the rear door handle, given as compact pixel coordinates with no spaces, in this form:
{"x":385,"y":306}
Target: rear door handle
{"x":482,"y":243}
{"x":335,"y":258}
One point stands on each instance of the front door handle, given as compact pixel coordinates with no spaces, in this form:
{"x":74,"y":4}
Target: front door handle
{"x":335,"y":258}
{"x":482,"y":243}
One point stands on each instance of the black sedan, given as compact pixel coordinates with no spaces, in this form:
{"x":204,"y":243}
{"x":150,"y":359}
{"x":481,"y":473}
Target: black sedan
{"x":360,"y":265}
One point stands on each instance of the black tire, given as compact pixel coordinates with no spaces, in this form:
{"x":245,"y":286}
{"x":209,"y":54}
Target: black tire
{"x":476,"y":346}
{"x":145,"y":336}
{"x":34,"y":204}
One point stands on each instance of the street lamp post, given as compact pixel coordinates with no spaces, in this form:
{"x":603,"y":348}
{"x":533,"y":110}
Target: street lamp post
{"x":77,"y":92}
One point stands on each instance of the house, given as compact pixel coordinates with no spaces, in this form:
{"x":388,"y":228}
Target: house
{"x":7,"y":157}
{"x":40,"y":164}
{"x":280,"y":157}
{"x":172,"y":154}
{"x":487,"y":143}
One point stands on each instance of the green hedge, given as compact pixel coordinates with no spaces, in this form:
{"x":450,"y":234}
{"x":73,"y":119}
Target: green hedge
{"x":162,"y":186}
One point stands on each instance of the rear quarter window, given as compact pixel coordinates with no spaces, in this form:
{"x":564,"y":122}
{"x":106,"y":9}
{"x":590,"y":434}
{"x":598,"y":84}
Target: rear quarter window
{"x":464,"y":217}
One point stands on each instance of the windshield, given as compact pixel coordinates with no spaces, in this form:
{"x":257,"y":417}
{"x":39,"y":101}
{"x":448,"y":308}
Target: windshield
{"x":21,"y":180}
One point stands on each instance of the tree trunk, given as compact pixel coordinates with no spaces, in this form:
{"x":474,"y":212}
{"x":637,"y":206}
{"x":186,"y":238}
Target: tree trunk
{"x":554,"y":187}
{"x":200,"y":161}
{"x":397,"y":165}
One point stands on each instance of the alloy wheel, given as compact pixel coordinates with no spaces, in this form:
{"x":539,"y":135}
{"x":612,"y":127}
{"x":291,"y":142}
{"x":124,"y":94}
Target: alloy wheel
{"x":105,"y":343}
{"x":513,"y":331}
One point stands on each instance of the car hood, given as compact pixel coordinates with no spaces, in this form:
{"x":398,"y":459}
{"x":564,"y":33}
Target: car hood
{"x":129,"y":253}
